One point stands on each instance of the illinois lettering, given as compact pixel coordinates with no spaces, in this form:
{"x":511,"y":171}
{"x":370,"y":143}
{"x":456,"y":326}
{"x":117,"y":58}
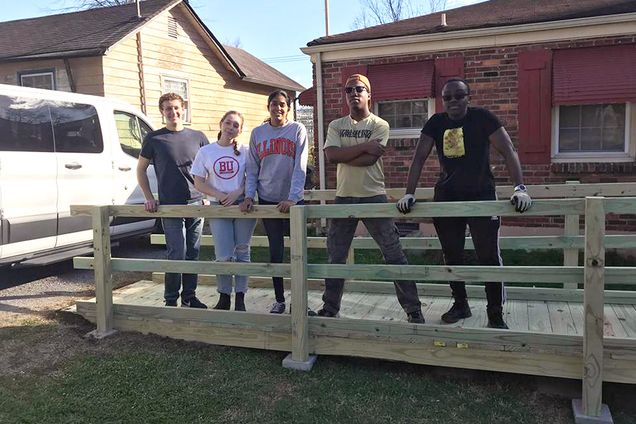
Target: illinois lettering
{"x":276,"y":146}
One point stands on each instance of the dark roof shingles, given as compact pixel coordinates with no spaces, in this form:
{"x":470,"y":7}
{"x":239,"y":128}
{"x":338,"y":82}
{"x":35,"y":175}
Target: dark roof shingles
{"x":92,"y":31}
{"x":493,"y":13}
{"x":258,"y":70}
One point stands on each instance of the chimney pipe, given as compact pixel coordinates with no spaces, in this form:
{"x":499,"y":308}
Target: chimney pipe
{"x":138,"y":10}
{"x":443,"y":17}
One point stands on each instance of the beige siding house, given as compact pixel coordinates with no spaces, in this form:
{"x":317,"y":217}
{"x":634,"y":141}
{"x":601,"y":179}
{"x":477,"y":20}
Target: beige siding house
{"x":115,"y":53}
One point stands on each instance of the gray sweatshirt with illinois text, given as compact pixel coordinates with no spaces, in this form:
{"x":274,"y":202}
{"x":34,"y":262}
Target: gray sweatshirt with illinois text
{"x":277,"y":162}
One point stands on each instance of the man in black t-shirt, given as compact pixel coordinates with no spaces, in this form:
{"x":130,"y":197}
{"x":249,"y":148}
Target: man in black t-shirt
{"x":462,"y":137}
{"x":172,"y":150}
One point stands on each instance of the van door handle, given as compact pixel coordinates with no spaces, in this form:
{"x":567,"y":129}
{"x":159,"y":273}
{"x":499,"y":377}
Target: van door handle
{"x":73,"y":165}
{"x":124,"y":168}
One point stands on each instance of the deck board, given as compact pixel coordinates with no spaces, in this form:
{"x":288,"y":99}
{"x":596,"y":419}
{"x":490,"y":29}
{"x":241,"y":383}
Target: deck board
{"x":555,"y":317}
{"x":539,"y":316}
{"x":627,"y":316}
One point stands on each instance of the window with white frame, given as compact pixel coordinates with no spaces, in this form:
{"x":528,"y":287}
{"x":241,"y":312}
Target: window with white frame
{"x":593,"y":132}
{"x":181,"y":87}
{"x":405,"y":117}
{"x":43,"y":79}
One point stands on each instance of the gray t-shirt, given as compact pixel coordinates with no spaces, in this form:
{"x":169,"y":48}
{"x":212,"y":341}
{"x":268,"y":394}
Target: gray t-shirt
{"x":277,"y":162}
{"x":172,"y":153}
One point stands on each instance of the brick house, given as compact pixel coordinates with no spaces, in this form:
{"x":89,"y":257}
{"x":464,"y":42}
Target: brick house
{"x":114,"y":52}
{"x":558,"y":73}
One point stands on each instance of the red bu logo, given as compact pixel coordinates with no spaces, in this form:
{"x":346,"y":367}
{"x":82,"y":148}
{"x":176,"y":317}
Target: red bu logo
{"x":226,"y":167}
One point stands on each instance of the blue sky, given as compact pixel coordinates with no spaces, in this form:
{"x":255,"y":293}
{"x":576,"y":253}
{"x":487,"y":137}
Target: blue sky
{"x":273,"y":31}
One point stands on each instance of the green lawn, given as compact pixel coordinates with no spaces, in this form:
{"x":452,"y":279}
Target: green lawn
{"x":131,"y":378}
{"x":148,"y":379}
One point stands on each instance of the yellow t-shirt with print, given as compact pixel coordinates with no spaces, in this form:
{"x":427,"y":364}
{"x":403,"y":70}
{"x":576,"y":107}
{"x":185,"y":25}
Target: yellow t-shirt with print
{"x":454,"y":143}
{"x":358,"y":181}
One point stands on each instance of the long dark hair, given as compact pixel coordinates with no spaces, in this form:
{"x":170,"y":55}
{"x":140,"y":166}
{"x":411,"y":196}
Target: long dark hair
{"x":234,"y":142}
{"x":275,"y":94}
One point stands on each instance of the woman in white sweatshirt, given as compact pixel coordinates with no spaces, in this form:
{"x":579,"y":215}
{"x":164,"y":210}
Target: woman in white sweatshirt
{"x":219,"y":172}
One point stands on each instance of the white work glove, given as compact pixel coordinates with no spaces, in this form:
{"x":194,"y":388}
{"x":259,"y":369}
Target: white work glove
{"x":521,"y":199}
{"x":405,"y":204}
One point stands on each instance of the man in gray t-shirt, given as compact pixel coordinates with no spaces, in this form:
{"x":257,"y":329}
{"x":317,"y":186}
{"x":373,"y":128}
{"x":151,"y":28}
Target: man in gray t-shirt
{"x":172,"y":150}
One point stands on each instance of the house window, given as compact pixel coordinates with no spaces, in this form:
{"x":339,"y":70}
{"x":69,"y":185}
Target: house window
{"x":45,"y":79}
{"x":593,"y":132}
{"x":405,"y":117}
{"x":180,"y":87}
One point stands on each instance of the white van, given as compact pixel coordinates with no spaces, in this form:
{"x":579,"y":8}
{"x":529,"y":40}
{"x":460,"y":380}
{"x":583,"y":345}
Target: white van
{"x":59,"y":149}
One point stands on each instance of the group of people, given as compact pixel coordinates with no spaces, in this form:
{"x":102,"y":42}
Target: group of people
{"x":273,"y":169}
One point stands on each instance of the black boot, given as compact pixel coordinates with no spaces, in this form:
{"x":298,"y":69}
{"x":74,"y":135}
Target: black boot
{"x":239,"y":302}
{"x":495,"y":318}
{"x":459,"y":310}
{"x":224,"y":302}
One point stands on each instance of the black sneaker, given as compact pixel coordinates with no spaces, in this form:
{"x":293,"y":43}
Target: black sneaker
{"x":310,"y":312}
{"x":193,"y":302}
{"x":239,"y":302}
{"x":171,"y":302}
{"x":459,"y":310}
{"x":495,"y":320}
{"x":277,"y":308}
{"x":224,"y":302}
{"x":415,"y":317}
{"x":327,"y":314}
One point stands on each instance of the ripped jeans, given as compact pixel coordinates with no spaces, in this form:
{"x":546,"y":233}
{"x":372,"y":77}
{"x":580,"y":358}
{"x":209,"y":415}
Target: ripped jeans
{"x":232,"y":238}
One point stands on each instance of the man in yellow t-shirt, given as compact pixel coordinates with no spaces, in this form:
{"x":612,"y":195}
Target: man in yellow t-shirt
{"x":356,"y":143}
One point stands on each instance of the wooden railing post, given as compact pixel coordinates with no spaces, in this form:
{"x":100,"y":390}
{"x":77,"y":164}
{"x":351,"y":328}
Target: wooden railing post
{"x":571,"y":228}
{"x":593,"y":301}
{"x":103,"y":272}
{"x":299,"y":358}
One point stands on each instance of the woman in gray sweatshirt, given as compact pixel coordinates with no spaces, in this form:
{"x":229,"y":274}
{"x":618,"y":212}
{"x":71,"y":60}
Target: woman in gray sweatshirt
{"x":276,"y":169}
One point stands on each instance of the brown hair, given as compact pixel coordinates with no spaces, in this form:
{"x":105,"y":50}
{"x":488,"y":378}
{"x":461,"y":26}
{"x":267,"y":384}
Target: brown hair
{"x":234,"y":142}
{"x":169,"y":97}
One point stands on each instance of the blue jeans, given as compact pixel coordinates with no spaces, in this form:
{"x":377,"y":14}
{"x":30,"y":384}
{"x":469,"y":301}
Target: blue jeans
{"x":183,"y":239}
{"x":232,"y":244}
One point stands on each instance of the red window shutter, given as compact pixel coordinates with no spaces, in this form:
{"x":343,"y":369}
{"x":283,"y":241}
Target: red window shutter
{"x":534,"y":107}
{"x":346,"y":73}
{"x":402,"y":81}
{"x":591,"y":75}
{"x":445,"y":69}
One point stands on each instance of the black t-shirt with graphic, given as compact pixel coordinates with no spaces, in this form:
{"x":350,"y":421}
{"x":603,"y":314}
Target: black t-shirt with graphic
{"x":463,"y":149}
{"x":172,"y":153}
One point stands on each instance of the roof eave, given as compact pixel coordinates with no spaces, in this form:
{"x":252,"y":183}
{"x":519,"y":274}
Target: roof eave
{"x":232,"y":65}
{"x":289,"y":87}
{"x":55,"y":55}
{"x":470,"y":33}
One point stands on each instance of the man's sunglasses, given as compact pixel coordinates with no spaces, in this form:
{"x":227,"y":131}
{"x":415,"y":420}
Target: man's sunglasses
{"x":358,"y":88}
{"x":457,"y":96}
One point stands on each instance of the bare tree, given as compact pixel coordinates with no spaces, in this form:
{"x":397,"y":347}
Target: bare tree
{"x":377,"y":12}
{"x":236,"y":42}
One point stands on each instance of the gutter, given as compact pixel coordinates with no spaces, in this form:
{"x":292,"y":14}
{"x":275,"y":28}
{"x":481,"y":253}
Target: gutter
{"x":472,"y":33}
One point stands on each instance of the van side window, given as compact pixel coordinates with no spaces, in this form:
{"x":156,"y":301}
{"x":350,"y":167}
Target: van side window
{"x":76,"y":128}
{"x":25,"y":125}
{"x":131,"y":131}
